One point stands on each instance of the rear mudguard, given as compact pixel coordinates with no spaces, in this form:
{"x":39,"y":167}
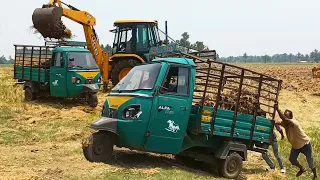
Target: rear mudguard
{"x":31,"y":84}
{"x":231,"y":146}
{"x":90,"y":88}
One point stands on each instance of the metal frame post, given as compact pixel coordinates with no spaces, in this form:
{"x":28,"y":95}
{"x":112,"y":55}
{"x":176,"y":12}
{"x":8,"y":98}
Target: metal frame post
{"x":237,"y":105}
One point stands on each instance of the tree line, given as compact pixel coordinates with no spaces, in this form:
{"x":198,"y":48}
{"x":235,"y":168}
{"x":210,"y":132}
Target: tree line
{"x":184,"y":41}
{"x":4,"y":60}
{"x":313,"y":56}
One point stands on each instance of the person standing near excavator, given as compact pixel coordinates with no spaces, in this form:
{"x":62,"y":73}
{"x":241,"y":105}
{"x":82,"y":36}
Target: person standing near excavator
{"x":299,"y":141}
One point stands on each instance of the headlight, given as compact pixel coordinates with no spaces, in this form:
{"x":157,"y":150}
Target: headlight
{"x":99,"y":79}
{"x":75,"y":80}
{"x":131,"y":112}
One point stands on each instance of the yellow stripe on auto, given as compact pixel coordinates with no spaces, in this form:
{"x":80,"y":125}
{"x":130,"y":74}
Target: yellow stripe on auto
{"x":116,"y":101}
{"x":88,"y":74}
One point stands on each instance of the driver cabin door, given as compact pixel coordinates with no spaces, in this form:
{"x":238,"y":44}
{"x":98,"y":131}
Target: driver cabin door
{"x":171,"y":110}
{"x":58,"y":76}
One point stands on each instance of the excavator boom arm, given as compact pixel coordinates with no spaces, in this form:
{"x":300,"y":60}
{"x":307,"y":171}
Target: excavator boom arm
{"x":87,"y":21}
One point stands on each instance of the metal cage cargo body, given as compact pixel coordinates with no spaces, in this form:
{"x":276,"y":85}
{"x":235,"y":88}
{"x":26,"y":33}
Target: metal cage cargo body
{"x":59,"y":70}
{"x":188,"y":106}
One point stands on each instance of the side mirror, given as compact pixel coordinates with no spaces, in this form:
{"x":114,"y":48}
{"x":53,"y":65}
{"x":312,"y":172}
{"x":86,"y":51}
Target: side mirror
{"x":158,"y":90}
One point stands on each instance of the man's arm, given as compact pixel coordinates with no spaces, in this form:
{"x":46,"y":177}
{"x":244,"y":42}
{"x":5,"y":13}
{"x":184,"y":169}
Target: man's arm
{"x":280,"y":131}
{"x":282,"y":116}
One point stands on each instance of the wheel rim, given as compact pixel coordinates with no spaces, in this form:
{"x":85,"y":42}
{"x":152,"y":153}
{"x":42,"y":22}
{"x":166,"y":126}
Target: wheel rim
{"x":123,"y":73}
{"x":98,"y":149}
{"x":232,"y":166}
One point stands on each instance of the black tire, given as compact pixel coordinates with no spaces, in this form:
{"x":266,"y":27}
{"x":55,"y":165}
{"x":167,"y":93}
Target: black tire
{"x":119,"y":65}
{"x":29,"y":95}
{"x":231,"y":166}
{"x":99,"y":147}
{"x":93,"y":100}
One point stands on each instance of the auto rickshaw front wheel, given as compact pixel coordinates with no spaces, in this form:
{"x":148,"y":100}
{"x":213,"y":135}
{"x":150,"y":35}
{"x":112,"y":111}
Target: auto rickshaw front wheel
{"x":99,"y":147}
{"x":92,"y":100}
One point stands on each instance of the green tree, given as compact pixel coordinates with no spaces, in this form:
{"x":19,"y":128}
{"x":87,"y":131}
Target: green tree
{"x":299,"y":56}
{"x":314,"y":55}
{"x":107,"y":48}
{"x":10,"y":61}
{"x":184,"y":41}
{"x":3,"y":60}
{"x":290,"y":57}
{"x":199,"y":46}
{"x":245,"y":56}
{"x":267,"y":59}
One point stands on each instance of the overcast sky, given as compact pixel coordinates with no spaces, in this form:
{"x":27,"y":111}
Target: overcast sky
{"x":230,"y":27}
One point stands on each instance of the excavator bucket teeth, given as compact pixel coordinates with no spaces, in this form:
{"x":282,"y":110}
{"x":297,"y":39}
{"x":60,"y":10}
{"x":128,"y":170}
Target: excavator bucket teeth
{"x":47,"y":21}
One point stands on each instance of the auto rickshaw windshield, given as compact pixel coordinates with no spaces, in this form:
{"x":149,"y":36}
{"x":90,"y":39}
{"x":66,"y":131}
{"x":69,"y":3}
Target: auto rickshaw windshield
{"x":82,"y":60}
{"x":141,"y":77}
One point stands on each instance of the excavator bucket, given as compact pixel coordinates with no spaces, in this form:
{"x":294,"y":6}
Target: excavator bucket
{"x":47,"y":21}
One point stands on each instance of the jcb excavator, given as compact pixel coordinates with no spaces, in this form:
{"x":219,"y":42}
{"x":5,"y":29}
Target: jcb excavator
{"x":135,"y":41}
{"x":132,"y":40}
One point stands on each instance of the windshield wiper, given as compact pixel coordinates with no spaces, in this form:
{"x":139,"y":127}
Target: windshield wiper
{"x":131,"y":90}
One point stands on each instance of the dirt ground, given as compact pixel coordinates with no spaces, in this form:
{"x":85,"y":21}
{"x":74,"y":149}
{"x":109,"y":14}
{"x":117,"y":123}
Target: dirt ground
{"x":42,"y":139}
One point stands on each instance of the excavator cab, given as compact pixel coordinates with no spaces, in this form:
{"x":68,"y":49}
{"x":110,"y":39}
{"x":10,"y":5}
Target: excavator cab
{"x":132,"y":42}
{"x":135,"y":37}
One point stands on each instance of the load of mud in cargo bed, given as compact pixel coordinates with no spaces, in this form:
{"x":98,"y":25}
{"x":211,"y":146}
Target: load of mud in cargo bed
{"x":233,"y":102}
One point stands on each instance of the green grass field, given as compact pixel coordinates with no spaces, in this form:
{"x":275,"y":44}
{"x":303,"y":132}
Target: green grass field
{"x":42,"y":140}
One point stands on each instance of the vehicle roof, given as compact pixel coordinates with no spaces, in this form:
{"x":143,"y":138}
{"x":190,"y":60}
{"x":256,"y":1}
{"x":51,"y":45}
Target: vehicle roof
{"x":134,"y":21}
{"x":74,"y":49}
{"x":184,"y":61}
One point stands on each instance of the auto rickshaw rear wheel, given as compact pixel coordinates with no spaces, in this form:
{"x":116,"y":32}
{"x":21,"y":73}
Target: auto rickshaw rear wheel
{"x":29,"y":95}
{"x":231,"y":166}
{"x":99,"y":147}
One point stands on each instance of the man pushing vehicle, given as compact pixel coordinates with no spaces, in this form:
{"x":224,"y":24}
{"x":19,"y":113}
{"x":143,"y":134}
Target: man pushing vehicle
{"x":299,"y":141}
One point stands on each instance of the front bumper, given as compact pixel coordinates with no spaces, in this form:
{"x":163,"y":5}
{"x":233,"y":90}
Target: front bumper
{"x":105,"y":123}
{"x":92,"y":88}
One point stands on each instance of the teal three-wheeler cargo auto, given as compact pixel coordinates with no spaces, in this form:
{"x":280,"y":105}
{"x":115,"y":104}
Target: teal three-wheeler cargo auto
{"x":188,"y":106}
{"x":60,"y":69}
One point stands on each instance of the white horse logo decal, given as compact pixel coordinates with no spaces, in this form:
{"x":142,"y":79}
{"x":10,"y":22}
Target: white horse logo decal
{"x":55,"y":83}
{"x":172,"y":126}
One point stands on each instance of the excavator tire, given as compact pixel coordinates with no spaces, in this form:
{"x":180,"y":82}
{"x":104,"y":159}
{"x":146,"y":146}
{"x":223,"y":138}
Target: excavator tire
{"x":120,"y":68}
{"x":47,"y":21}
